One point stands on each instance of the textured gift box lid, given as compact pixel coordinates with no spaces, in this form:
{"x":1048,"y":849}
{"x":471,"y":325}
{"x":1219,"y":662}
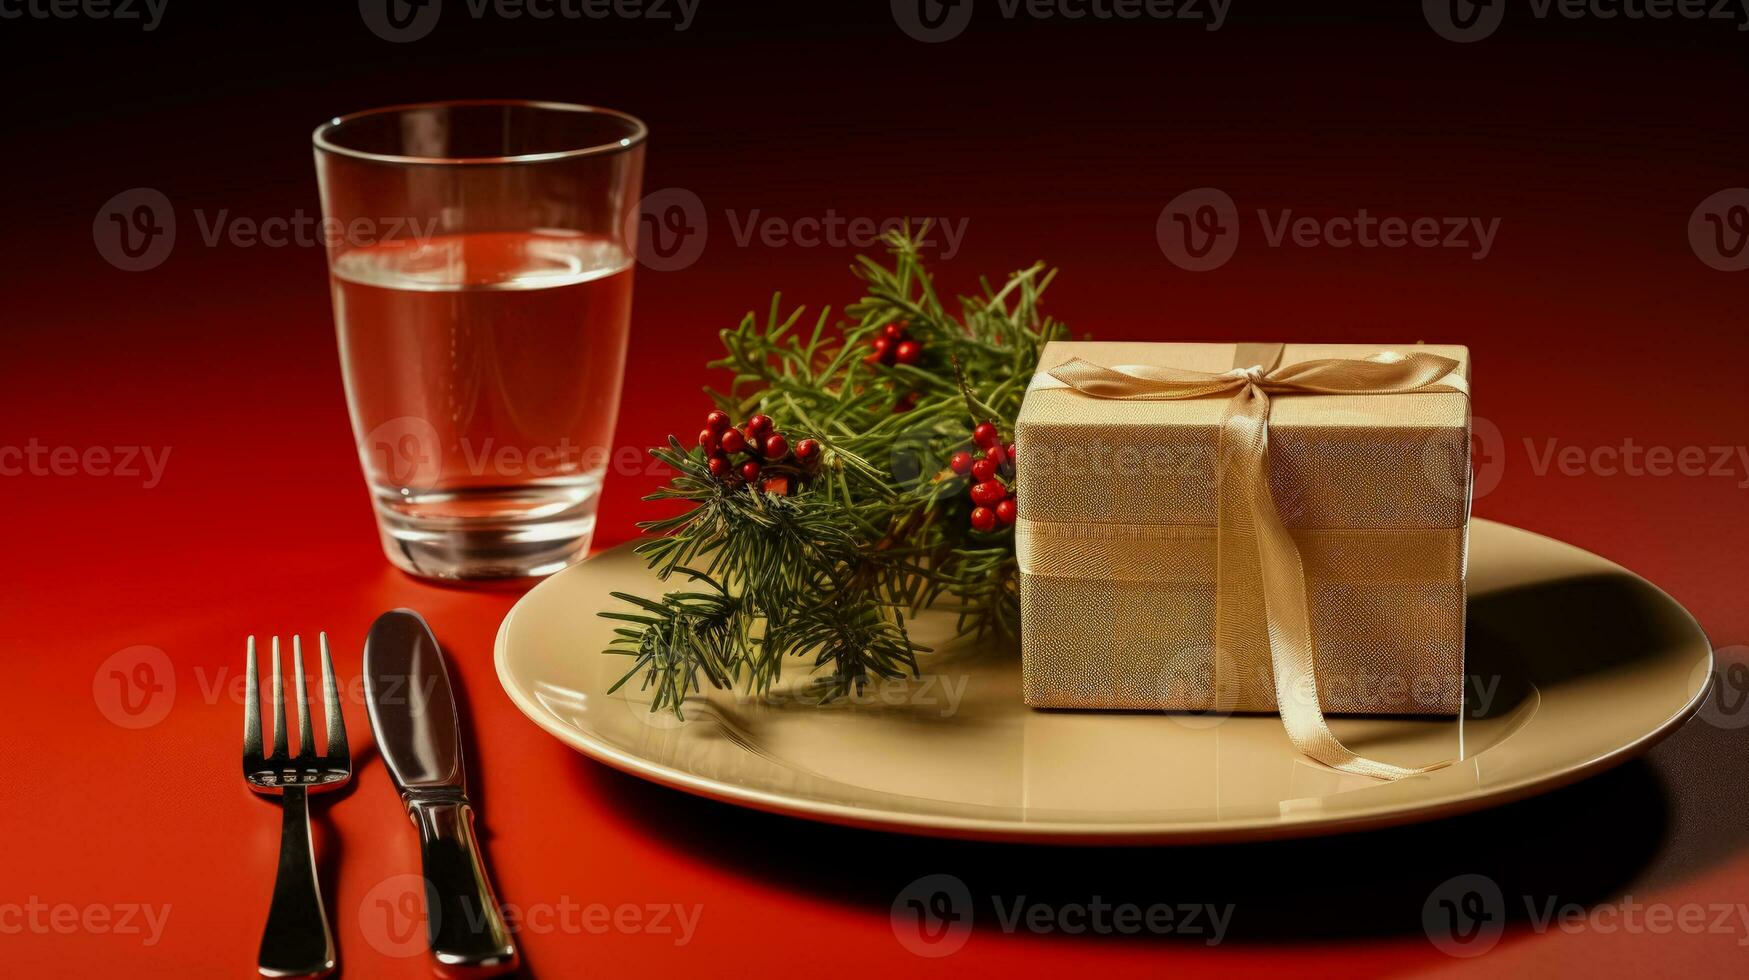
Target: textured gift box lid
{"x":1410,"y":410}
{"x":1344,"y":461}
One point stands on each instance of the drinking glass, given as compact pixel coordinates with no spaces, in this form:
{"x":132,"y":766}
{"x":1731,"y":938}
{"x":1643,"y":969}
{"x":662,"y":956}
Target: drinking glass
{"x":480,"y":256}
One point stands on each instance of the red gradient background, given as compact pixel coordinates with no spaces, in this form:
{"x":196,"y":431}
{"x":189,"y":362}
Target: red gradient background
{"x":1591,"y":322}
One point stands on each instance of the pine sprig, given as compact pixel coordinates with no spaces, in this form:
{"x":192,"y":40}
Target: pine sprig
{"x":875,"y":530}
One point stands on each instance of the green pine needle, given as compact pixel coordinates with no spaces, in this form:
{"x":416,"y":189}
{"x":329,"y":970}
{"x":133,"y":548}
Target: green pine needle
{"x":880,"y":528}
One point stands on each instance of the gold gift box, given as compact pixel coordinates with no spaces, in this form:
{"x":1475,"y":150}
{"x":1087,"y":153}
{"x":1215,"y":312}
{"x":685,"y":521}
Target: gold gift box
{"x":1117,"y":537}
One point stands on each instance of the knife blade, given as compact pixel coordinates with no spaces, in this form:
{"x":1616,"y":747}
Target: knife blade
{"x":418,"y":733}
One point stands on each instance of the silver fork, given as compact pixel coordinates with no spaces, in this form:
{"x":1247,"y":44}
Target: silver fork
{"x":296,"y":942}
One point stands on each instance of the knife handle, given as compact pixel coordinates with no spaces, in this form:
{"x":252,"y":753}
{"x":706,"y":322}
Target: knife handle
{"x":468,"y":934}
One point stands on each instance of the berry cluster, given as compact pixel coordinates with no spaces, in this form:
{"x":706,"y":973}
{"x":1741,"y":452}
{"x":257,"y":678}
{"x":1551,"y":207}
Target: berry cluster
{"x":992,"y":477}
{"x":767,"y":457}
{"x":893,"y":345}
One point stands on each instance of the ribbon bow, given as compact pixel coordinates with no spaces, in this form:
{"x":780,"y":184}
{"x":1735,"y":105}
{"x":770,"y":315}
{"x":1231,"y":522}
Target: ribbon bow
{"x":1260,"y":586}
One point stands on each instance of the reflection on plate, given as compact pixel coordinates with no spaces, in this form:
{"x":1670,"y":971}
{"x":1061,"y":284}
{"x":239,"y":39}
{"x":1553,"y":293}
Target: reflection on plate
{"x":1574,"y":665}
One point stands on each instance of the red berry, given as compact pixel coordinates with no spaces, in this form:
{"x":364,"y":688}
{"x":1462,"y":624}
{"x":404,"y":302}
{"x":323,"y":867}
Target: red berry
{"x":983,"y":519}
{"x":880,"y":346}
{"x":984,"y":469}
{"x":961,"y":462}
{"x":758,"y":427}
{"x":988,"y":492}
{"x":986,"y":435}
{"x":733,"y":441}
{"x":906,"y":402}
{"x":776,"y":447}
{"x":1006,"y":511}
{"x":778,"y":484}
{"x":1009,"y":452}
{"x":908,"y":352}
{"x":717,"y":422}
{"x":750,"y":470}
{"x":807,"y":450}
{"x":893,"y":331}
{"x":719,"y":465}
{"x":997,"y":454}
{"x":707,"y":440}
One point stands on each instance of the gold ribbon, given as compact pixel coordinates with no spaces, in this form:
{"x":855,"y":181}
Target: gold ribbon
{"x":1260,"y":580}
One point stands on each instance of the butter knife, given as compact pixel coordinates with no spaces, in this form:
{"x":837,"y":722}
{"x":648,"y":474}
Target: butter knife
{"x":418,"y":733}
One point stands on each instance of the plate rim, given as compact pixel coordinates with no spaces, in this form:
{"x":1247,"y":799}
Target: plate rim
{"x":1092,"y":832}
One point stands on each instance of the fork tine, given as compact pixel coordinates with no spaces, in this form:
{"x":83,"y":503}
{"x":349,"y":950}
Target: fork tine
{"x":252,"y":711}
{"x":306,"y":747}
{"x":279,"y":750}
{"x":337,"y":749}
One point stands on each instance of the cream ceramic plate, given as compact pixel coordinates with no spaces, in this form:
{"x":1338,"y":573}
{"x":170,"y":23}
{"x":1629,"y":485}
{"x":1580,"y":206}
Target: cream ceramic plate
{"x":1575,"y":664}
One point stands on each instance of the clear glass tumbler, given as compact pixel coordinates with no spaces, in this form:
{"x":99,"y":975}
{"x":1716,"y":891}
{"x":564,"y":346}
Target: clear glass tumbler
{"x":480,"y":255}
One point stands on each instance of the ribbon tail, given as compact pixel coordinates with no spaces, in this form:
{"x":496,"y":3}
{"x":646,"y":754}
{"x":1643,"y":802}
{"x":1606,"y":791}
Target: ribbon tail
{"x":1262,"y":587}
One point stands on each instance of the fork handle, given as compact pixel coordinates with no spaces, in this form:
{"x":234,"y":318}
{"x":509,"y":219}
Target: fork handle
{"x":296,"y":942}
{"x":469,"y":936}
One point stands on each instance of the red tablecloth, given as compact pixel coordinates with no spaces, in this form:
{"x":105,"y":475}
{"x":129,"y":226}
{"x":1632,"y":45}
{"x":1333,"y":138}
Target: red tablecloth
{"x":1593,"y":326}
